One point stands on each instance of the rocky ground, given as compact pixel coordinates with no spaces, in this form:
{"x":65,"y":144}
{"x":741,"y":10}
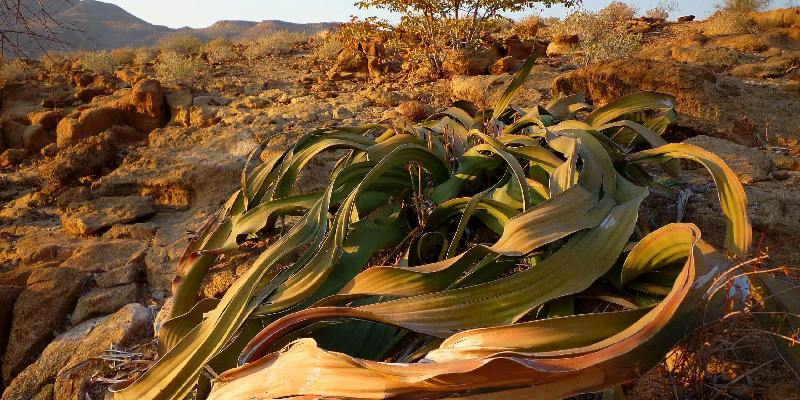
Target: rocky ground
{"x":105,"y":178}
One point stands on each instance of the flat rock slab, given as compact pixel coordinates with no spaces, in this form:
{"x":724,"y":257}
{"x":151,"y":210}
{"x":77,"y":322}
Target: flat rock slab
{"x":104,"y":212}
{"x":40,"y":311}
{"x":65,"y":369}
{"x":100,"y":301}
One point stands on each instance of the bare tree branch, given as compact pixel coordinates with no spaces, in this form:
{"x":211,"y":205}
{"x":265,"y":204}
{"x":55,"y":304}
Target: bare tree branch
{"x":26,"y":25}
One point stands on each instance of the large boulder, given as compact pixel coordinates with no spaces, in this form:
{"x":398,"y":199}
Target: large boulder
{"x":46,"y":118}
{"x":103,"y":256}
{"x":39,"y":312}
{"x":706,"y":103}
{"x":13,"y":133}
{"x":146,"y":106}
{"x":8,"y":296}
{"x":470,"y":62}
{"x":748,"y":165}
{"x":486,"y":90}
{"x":86,"y":123}
{"x":104,"y":300}
{"x":36,"y":137}
{"x":66,"y":369}
{"x":180,"y":102}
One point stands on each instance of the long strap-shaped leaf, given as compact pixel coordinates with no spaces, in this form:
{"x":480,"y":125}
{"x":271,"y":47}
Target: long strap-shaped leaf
{"x":303,"y":369}
{"x":732,"y":198}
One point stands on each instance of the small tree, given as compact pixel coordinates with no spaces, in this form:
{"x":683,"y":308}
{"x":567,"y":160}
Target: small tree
{"x":442,"y":25}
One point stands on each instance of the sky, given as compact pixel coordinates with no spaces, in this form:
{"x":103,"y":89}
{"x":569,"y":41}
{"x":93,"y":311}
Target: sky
{"x":202,"y":13}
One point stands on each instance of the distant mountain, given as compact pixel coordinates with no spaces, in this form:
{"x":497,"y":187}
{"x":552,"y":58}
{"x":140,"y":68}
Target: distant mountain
{"x":95,"y":25}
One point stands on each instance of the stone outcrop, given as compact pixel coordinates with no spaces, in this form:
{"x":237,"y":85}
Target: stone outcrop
{"x":104,"y":212}
{"x":65,"y":369}
{"x":40,"y":310}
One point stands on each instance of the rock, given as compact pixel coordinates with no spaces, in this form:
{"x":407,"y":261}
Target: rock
{"x":686,"y":18}
{"x":8,"y":296}
{"x":706,"y":103}
{"x":129,"y":273}
{"x":342,"y":112}
{"x":104,"y":212}
{"x":73,"y":195}
{"x":350,"y":60}
{"x":146,"y":107}
{"x":12,"y":157}
{"x":180,"y":102}
{"x":36,"y":137}
{"x":204,"y":116}
{"x":50,"y":150}
{"x":566,"y":38}
{"x":67,"y":365}
{"x":160,"y":262}
{"x":181,"y":97}
{"x":470,"y":62}
{"x":485,"y":90}
{"x":129,"y":76}
{"x":46,"y":118}
{"x":208,"y":101}
{"x":88,"y":94}
{"x":54,"y":289}
{"x":386,"y":98}
{"x":140,"y":231}
{"x":86,"y":123}
{"x":82,"y":79}
{"x":750,"y":165}
{"x":12,"y":133}
{"x":104,"y":300}
{"x":88,"y":157}
{"x":504,"y":65}
{"x":107,"y":255}
{"x":414,"y":110}
{"x":255,"y":102}
{"x":522,"y":49}
{"x":556,"y":49}
{"x":3,"y":145}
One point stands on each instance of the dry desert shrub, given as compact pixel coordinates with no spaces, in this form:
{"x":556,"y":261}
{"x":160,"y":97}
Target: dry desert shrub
{"x":328,"y":48}
{"x":662,"y":10}
{"x":101,"y":61}
{"x":733,"y":16}
{"x":528,"y":27}
{"x":278,"y":42}
{"x":123,"y":55}
{"x":181,"y":43}
{"x":176,"y":68}
{"x":145,"y":55}
{"x":219,"y":50}
{"x":54,"y":60}
{"x":15,"y":71}
{"x":602,"y":35}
